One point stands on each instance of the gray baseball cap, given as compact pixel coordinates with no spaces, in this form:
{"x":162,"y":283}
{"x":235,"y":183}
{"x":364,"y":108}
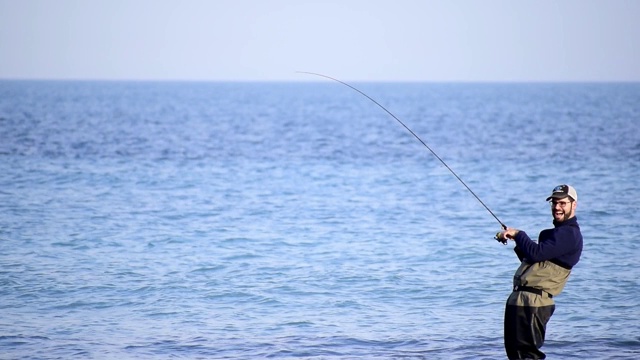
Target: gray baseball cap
{"x":562,"y":191}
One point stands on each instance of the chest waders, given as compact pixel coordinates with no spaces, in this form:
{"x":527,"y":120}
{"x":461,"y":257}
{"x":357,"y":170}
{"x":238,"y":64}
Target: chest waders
{"x":530,"y":306}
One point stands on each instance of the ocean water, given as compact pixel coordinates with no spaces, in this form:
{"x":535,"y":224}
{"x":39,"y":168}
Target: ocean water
{"x":300,"y":221}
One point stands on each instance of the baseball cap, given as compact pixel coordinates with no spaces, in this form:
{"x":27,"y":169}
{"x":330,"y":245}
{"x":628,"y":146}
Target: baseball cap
{"x":562,"y":191}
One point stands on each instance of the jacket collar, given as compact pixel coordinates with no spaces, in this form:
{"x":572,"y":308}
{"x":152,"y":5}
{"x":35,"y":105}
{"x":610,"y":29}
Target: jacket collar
{"x":571,"y":222}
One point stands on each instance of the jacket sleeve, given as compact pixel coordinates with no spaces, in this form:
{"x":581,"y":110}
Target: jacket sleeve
{"x":550,"y":245}
{"x":519,"y":253}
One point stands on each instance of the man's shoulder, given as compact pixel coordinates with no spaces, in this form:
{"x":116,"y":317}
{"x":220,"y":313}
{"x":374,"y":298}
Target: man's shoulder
{"x":566,"y":231}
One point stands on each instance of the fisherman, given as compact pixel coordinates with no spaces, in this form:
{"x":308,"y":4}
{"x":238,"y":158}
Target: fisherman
{"x":543,"y":272}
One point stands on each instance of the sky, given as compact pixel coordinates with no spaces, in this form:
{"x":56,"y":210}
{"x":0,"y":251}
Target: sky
{"x":354,"y":40}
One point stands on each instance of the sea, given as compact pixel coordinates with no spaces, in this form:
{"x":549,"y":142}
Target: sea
{"x":300,"y":220}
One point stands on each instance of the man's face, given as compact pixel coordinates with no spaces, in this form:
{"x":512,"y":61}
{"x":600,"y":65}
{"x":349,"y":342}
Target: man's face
{"x":562,"y":209}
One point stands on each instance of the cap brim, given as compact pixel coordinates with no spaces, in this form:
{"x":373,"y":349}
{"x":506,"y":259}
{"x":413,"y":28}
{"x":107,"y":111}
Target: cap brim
{"x":558,"y":196}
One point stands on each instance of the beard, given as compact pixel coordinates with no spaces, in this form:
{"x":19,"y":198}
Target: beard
{"x":562,"y":215}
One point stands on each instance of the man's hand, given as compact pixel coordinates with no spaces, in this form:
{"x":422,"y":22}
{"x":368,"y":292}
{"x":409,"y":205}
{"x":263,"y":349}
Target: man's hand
{"x":509,"y":233}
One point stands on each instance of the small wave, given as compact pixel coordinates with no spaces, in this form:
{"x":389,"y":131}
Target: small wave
{"x":83,"y":304}
{"x":12,"y":340}
{"x":208,"y":269}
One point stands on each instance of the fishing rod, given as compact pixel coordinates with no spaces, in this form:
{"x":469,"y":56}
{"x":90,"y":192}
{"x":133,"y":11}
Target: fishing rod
{"x":423,"y":143}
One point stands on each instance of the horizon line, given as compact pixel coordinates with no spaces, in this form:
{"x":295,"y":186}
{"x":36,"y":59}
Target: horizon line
{"x":433,"y":81}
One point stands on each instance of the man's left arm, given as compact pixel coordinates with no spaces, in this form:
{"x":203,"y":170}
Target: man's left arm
{"x":551,"y":244}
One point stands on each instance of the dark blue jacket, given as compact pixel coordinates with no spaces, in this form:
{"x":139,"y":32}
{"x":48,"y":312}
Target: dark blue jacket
{"x":561,"y":245}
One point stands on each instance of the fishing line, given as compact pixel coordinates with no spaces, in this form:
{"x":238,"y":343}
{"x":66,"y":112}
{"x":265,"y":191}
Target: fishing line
{"x":417,"y":137}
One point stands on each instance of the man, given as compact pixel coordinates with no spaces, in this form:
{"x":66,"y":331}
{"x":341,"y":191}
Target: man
{"x":544,"y":271}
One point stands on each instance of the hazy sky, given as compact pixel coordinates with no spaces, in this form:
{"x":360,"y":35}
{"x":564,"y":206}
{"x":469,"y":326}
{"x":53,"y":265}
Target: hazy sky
{"x":403,"y":40}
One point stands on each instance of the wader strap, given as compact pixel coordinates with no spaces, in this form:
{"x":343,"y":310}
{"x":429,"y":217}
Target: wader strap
{"x":531,"y":290}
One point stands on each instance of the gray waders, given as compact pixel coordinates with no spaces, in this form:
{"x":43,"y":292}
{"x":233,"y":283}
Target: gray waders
{"x":530,"y":306}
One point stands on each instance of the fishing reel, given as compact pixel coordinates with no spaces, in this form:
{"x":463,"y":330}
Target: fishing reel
{"x":500,"y":238}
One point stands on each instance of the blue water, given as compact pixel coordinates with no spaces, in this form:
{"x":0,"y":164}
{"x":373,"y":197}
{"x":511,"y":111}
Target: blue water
{"x":300,"y":221}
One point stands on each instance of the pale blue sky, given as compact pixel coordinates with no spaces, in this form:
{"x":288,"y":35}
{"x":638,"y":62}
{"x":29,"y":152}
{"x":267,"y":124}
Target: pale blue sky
{"x":371,"y":40}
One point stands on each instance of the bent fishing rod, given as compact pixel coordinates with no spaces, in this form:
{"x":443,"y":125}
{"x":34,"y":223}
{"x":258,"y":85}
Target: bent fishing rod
{"x":421,"y":141}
